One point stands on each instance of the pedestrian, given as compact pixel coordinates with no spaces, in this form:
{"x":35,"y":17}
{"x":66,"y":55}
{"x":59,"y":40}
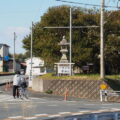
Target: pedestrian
{"x":16,"y":83}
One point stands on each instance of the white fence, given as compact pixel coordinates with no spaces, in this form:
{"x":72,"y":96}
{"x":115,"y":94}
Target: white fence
{"x":105,"y":93}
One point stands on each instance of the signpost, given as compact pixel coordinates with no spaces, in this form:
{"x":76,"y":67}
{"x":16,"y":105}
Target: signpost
{"x":6,"y":58}
{"x":103,"y":92}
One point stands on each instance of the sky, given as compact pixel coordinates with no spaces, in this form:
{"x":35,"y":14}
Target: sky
{"x":17,"y":16}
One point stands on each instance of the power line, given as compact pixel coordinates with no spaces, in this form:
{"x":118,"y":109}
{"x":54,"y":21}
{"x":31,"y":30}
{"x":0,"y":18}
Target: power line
{"x":94,"y":5}
{"x":62,"y":27}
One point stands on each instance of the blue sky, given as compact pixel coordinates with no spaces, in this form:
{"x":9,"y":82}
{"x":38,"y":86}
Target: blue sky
{"x":17,"y":15}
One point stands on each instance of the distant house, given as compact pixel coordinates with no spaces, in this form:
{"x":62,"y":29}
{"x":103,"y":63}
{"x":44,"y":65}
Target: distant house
{"x":10,"y":65}
{"x":38,"y":67}
{"x":4,"y":51}
{"x":6,"y":63}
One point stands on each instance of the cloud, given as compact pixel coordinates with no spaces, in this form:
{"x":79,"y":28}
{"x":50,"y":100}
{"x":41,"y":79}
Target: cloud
{"x":7,"y":37}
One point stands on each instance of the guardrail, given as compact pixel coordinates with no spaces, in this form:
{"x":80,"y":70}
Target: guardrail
{"x":105,"y":93}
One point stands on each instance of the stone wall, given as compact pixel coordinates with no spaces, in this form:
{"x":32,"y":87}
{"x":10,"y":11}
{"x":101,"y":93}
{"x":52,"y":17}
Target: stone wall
{"x":89,"y":89}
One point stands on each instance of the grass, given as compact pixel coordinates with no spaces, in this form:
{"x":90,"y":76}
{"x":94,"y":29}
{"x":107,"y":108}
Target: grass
{"x":113,"y":77}
{"x":50,"y":76}
{"x":6,"y":73}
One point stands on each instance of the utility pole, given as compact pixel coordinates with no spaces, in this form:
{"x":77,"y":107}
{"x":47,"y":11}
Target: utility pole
{"x":14,"y":64}
{"x":31,"y":62}
{"x":70,"y":43}
{"x":102,"y":69}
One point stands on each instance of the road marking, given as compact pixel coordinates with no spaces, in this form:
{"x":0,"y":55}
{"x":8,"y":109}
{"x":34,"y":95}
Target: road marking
{"x":15,"y":117}
{"x":104,"y":110}
{"x":85,"y":111}
{"x":30,"y":118}
{"x":41,"y":115}
{"x":62,"y":113}
{"x":77,"y":113}
{"x":57,"y":115}
{"x":115,"y":109}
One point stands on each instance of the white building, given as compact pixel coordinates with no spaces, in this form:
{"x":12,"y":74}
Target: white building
{"x":4,"y":51}
{"x":37,"y":66}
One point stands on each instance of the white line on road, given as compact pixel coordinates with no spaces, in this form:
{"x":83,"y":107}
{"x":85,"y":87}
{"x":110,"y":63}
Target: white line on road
{"x":62,"y":113}
{"x":41,"y":115}
{"x":57,"y":115}
{"x":30,"y":118}
{"x":96,"y":112}
{"x":15,"y":117}
{"x":77,"y":114}
{"x":85,"y":111}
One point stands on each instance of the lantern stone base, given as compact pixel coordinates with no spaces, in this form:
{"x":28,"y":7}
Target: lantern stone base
{"x":64,"y":69}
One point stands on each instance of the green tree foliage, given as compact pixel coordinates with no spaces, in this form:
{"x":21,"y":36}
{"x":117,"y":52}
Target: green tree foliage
{"x":20,"y":57}
{"x":112,"y":42}
{"x":85,"y":41}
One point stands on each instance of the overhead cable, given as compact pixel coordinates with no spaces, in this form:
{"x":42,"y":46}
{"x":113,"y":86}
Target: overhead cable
{"x":94,"y":5}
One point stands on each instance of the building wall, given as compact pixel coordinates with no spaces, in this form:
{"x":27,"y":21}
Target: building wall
{"x":10,"y":65}
{"x":1,"y":51}
{"x":36,"y":66}
{"x":4,"y":51}
{"x":1,"y":66}
{"x":1,"y":61}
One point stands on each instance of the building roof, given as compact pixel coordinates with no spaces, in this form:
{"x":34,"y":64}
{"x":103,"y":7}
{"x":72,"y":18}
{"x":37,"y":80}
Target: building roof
{"x":4,"y":45}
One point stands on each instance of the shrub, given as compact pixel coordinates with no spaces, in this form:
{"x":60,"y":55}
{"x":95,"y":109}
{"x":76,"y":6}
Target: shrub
{"x":49,"y":91}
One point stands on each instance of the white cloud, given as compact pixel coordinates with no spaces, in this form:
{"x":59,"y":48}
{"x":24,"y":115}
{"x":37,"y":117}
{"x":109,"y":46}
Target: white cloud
{"x":7,"y":36}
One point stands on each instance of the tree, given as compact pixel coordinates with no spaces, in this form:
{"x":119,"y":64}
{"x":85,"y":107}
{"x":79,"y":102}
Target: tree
{"x":85,"y":41}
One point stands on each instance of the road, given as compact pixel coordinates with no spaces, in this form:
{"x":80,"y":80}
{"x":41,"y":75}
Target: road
{"x":43,"y":107}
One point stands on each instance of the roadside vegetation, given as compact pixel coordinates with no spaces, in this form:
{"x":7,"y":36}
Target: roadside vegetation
{"x":85,"y":41}
{"x":5,"y":73}
{"x":51,"y":76}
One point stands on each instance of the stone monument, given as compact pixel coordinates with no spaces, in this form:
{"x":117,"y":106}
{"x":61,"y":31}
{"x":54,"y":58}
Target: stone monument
{"x":64,"y":67}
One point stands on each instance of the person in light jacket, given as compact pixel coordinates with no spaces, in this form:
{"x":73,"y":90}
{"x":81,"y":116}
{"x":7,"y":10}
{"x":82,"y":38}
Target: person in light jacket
{"x":16,"y":84}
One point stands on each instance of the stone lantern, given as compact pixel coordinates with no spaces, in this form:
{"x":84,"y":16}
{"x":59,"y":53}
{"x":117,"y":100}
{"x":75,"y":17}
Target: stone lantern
{"x":64,"y":50}
{"x":64,"y":67}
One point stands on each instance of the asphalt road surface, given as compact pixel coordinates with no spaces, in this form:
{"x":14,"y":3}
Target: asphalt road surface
{"x":41,"y":106}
